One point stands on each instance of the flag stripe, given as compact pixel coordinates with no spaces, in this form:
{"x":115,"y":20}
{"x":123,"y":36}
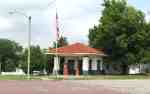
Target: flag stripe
{"x":57,"y":26}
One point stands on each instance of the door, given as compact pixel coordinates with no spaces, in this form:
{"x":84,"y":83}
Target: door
{"x":71,"y":69}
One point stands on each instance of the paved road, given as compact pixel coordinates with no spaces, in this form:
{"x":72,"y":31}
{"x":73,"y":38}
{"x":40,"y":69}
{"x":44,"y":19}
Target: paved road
{"x":124,"y":86}
{"x":54,"y":87}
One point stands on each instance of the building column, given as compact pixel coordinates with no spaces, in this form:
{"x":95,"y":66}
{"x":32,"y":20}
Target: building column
{"x":56,"y":66}
{"x":94,"y":65}
{"x":65,"y":70}
{"x":85,"y":65}
{"x":101,"y":64}
{"x":77,"y":68}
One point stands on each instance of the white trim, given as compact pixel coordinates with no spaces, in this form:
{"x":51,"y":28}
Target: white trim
{"x":68,"y":54}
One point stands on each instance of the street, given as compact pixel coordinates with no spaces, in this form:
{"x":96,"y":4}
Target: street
{"x":52,"y":87}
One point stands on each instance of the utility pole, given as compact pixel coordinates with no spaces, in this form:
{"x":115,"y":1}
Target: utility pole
{"x":29,"y":38}
{"x":29,"y":46}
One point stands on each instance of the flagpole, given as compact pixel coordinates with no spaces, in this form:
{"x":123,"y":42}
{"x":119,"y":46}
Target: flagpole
{"x":57,"y":38}
{"x":57,"y":53}
{"x":56,"y":58}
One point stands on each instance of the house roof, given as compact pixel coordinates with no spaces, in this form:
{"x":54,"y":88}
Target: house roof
{"x":76,"y":49}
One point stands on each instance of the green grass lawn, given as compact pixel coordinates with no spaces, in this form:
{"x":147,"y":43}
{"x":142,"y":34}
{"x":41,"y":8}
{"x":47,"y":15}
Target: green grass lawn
{"x":89,"y":77}
{"x":12,"y":77}
{"x":19,"y":77}
{"x":116,"y":77}
{"x":105,"y":77}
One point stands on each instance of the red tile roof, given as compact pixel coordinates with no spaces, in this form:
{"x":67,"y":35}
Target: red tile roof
{"x":77,"y":48}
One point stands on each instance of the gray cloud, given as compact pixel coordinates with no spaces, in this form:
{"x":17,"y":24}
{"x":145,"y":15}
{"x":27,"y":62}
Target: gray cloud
{"x":75,"y":17}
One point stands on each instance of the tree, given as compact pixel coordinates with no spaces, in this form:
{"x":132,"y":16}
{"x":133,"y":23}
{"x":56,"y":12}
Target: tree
{"x":37,"y":59}
{"x":122,"y":32}
{"x":62,"y":41}
{"x":10,"y":55}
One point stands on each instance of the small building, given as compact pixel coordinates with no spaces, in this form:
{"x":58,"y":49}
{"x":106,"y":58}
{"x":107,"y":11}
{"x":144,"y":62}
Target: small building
{"x":78,"y":59}
{"x":17,"y":72}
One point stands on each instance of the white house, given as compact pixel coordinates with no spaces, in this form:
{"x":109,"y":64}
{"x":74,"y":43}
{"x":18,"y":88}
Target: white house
{"x":81,"y":59}
{"x":17,"y":72}
{"x":78,"y":59}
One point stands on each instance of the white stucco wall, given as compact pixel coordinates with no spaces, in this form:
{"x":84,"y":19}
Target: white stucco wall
{"x":134,"y":69}
{"x":56,"y":63}
{"x":94,"y":64}
{"x":85,"y":66}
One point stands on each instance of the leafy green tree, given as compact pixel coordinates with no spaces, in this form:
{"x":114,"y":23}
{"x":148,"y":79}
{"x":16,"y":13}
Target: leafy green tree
{"x":37,"y":59}
{"x":49,"y":63}
{"x":10,"y":55}
{"x":122,"y":32}
{"x":62,"y":41}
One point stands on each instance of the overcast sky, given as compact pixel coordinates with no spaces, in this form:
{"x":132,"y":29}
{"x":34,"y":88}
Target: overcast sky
{"x":75,"y":19}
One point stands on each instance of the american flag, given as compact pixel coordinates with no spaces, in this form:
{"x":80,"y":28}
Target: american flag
{"x":57,"y":27}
